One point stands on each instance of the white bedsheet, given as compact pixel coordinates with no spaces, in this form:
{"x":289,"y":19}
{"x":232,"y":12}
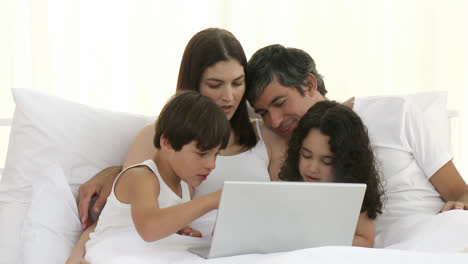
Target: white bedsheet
{"x":440,"y":246}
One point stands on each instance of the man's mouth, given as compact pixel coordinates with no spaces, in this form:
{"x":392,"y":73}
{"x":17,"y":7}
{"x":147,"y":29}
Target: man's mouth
{"x":287,"y":127}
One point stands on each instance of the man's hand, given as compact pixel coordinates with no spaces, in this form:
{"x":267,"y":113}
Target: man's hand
{"x":188,"y":231}
{"x":101,"y":185}
{"x":451,"y":205}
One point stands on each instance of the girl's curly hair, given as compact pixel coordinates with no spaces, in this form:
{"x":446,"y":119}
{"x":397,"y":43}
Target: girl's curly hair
{"x":353,"y":160}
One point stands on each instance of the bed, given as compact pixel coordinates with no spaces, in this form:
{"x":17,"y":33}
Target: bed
{"x":55,"y":145}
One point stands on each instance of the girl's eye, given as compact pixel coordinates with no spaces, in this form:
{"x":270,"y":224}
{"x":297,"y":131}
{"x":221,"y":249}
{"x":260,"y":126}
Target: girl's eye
{"x":327,"y":161}
{"x":306,"y":156}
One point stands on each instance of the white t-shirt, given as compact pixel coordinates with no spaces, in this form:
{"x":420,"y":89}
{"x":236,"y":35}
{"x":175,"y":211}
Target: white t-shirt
{"x":407,"y":155}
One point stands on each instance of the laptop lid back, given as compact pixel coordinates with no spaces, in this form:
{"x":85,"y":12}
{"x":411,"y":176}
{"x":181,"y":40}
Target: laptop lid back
{"x":267,"y":217}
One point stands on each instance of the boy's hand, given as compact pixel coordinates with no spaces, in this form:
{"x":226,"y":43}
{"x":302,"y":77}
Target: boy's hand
{"x":188,"y":231}
{"x":76,"y":260}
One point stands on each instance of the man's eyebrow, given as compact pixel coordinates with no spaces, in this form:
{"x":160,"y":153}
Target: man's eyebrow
{"x":276,"y":99}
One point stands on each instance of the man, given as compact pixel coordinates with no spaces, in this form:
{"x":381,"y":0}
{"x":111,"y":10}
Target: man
{"x":283,"y":84}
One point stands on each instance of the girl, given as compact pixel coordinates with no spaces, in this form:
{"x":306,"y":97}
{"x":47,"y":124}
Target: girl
{"x":152,"y":199}
{"x":330,"y":144}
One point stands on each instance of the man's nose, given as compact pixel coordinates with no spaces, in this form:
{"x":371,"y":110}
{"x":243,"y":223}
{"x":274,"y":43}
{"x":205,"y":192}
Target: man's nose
{"x":275,"y":118}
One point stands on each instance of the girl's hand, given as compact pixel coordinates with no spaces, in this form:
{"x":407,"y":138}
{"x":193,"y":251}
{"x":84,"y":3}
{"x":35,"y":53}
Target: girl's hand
{"x":188,"y":231}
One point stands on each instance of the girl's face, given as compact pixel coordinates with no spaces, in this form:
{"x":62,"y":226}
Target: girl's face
{"x":224,"y":83}
{"x":315,"y":158}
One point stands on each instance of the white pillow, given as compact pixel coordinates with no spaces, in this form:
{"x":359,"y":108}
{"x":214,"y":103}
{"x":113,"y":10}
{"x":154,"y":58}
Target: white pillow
{"x":52,"y":224}
{"x":82,"y":140}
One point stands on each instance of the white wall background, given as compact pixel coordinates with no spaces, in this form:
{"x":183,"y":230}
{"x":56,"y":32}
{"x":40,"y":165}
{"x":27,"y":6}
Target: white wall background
{"x":124,"y":55}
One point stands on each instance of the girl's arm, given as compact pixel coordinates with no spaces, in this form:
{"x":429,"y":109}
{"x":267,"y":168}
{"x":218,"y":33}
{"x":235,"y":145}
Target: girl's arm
{"x":79,"y":251}
{"x":140,"y":186}
{"x":365,"y":231}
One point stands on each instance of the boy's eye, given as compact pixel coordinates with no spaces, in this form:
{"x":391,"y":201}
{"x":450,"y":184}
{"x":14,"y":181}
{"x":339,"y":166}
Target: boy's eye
{"x":202,"y":154}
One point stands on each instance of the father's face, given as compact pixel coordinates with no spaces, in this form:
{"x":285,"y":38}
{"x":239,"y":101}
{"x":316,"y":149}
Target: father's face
{"x":281,"y":107}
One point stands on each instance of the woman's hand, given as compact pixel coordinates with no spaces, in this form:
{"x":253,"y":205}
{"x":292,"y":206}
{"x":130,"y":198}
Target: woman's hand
{"x":101,"y":185}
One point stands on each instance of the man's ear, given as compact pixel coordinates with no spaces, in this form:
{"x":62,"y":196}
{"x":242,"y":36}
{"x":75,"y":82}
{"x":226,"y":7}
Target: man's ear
{"x":165,"y":144}
{"x":310,"y":84}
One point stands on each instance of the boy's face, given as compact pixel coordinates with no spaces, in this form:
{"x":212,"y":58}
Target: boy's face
{"x":193,"y":165}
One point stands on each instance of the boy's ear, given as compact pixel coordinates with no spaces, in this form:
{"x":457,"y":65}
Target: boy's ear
{"x":165,"y":143}
{"x":310,"y":85}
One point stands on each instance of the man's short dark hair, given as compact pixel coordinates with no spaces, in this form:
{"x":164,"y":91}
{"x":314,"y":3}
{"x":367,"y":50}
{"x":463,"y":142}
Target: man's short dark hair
{"x":289,"y":66}
{"x":189,"y":116}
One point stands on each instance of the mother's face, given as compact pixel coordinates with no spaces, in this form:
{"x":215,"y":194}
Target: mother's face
{"x":224,"y":83}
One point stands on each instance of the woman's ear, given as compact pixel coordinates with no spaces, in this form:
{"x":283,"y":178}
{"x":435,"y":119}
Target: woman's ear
{"x":310,"y":85}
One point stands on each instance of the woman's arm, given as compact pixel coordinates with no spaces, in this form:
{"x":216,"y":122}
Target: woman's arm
{"x":142,"y":148}
{"x":451,"y":186}
{"x":79,"y":251}
{"x":101,"y":184}
{"x":140,"y":188}
{"x":365,"y":231}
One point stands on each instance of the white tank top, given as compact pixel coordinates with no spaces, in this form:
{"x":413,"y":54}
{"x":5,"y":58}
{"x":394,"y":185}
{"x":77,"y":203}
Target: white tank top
{"x":250,"y":165}
{"x":116,"y":216}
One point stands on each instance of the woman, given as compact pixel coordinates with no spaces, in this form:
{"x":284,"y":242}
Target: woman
{"x":213,"y":64}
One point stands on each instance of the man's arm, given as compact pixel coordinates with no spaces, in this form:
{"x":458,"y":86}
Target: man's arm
{"x":101,"y":185}
{"x":451,"y":186}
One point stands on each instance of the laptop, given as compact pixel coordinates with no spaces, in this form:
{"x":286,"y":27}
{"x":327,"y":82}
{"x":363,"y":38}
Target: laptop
{"x":269,"y":217}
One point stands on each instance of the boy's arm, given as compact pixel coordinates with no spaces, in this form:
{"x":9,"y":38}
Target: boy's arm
{"x":79,"y":251}
{"x":365,"y":231}
{"x":153,"y":223}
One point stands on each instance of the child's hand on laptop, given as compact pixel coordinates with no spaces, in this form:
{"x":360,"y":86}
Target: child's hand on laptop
{"x":188,"y":231}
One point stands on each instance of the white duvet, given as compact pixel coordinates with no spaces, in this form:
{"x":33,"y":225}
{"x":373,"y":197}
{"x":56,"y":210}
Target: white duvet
{"x":438,"y":239}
